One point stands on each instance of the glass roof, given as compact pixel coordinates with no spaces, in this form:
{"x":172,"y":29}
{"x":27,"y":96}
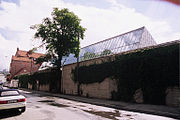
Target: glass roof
{"x":128,"y":41}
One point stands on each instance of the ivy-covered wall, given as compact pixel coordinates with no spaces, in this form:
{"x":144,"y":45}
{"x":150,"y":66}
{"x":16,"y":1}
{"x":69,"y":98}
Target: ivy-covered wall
{"x":152,"y":70}
{"x":23,"y":80}
{"x":50,"y":77}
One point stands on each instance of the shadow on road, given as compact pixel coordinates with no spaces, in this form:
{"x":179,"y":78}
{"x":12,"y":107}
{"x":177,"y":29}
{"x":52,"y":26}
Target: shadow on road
{"x":28,"y":95}
{"x":9,"y":113}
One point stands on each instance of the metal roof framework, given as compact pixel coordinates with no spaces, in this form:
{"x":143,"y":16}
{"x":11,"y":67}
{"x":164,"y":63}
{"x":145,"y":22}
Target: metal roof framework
{"x":132,"y":40}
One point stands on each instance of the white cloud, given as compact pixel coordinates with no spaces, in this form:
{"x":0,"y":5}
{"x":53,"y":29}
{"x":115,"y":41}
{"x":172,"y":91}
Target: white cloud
{"x":105,"y":23}
{"x":20,"y":18}
{"x":7,"y":49}
{"x":100,"y":23}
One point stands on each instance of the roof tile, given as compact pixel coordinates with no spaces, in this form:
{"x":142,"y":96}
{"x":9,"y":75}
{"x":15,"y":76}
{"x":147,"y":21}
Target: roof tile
{"x":25,"y":54}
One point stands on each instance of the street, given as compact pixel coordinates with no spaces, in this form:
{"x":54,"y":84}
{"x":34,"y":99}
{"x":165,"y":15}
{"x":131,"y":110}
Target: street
{"x":41,"y":107}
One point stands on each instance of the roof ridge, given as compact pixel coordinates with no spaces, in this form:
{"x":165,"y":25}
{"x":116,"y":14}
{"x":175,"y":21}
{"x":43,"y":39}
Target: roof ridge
{"x":27,"y":52}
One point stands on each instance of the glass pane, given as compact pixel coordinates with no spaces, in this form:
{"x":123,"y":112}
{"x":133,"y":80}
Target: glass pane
{"x":129,"y":41}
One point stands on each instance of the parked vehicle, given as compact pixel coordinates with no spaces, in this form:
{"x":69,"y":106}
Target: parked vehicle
{"x":12,"y":99}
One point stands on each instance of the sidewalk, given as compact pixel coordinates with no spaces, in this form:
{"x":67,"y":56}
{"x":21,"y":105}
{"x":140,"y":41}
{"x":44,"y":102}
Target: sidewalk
{"x":142,"y":108}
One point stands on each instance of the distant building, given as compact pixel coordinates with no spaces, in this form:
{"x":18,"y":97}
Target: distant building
{"x":23,"y":62}
{"x":2,"y":78}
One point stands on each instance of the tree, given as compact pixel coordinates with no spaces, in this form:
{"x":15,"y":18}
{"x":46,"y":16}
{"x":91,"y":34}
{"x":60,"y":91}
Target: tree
{"x":88,"y":55}
{"x":91,"y":55}
{"x":60,"y":34}
{"x":106,"y":52}
{"x":45,"y":58}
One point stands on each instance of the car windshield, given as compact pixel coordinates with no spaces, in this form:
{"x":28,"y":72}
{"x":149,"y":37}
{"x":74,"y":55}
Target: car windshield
{"x":9,"y":93}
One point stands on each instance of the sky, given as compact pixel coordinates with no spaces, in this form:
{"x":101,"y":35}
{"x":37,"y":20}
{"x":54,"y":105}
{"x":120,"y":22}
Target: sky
{"x":102,"y":19}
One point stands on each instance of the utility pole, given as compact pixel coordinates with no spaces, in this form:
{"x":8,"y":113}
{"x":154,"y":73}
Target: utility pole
{"x":31,"y":72}
{"x":78,"y":84}
{"x":31,"y":66}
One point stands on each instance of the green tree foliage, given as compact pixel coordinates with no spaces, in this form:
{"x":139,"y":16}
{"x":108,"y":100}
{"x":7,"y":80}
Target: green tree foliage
{"x":88,"y":55}
{"x":23,"y":80}
{"x":49,"y":77}
{"x":106,"y":52}
{"x":60,"y":34}
{"x":45,"y":58}
{"x":91,"y":55}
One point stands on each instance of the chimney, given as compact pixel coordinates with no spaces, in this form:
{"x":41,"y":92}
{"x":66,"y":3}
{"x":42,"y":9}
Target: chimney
{"x":17,"y":49}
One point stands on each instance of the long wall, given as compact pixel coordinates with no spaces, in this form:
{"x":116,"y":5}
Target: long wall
{"x":173,"y":97}
{"x":96,"y":90}
{"x":40,"y":87}
{"x":103,"y":90}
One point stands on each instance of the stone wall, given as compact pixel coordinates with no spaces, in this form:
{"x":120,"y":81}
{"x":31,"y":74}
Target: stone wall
{"x":103,"y":90}
{"x":44,"y":87}
{"x":96,"y":90}
{"x":41,"y":87}
{"x":99,"y":90}
{"x":68,"y":86}
{"x":173,"y":97}
{"x":29,"y":86}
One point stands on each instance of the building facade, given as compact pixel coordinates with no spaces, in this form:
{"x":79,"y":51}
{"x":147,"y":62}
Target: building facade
{"x":23,"y":62}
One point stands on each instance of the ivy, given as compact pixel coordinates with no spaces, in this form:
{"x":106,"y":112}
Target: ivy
{"x":103,"y":71}
{"x":152,"y":70}
{"x":43,"y":77}
{"x":23,"y":80}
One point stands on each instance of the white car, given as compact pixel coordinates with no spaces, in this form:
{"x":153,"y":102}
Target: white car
{"x":12,"y":99}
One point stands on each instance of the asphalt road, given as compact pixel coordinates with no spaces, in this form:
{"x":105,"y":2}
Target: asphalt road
{"x":40,"y":107}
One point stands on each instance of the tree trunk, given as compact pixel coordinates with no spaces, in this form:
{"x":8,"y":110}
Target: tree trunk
{"x":59,"y":74}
